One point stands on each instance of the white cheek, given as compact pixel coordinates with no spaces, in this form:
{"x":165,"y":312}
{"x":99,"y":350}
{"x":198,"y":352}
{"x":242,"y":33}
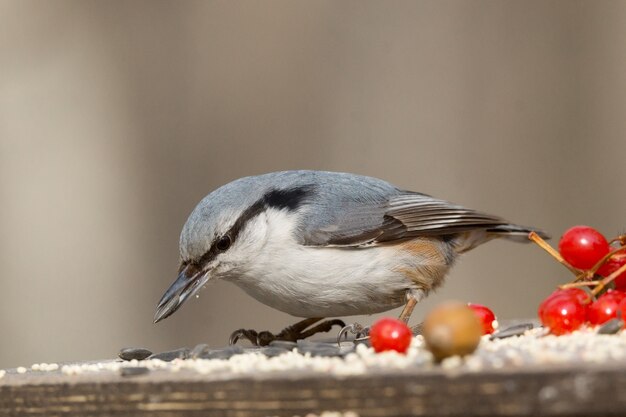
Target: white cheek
{"x":249,"y":243}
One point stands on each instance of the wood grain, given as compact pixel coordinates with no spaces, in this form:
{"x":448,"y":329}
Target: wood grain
{"x":557,"y":391}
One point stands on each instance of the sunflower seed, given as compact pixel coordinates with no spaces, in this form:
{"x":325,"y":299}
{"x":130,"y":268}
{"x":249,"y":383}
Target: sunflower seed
{"x":198,"y":351}
{"x":182,"y":353}
{"x":611,"y":327}
{"x":318,"y":349}
{"x":131,"y":353}
{"x":516,"y":330}
{"x":225,"y":353}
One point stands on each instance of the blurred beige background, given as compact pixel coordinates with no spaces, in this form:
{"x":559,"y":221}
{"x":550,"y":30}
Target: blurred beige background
{"x":116,"y":118}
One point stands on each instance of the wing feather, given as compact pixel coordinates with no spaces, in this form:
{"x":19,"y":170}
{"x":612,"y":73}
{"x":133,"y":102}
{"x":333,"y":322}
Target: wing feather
{"x":402,"y":216}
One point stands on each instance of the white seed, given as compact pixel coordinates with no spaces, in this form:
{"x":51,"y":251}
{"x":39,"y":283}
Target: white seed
{"x":532,"y":348}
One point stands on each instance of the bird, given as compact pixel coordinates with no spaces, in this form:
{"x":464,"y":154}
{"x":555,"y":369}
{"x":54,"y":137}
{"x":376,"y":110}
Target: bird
{"x":319,"y":245}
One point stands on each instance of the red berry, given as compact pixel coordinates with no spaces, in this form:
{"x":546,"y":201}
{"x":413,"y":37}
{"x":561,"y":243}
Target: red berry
{"x":486,"y":317}
{"x":605,"y":307}
{"x":613,"y":264}
{"x":390,"y":334}
{"x":577,"y":293}
{"x":564,"y":311}
{"x":583,"y":246}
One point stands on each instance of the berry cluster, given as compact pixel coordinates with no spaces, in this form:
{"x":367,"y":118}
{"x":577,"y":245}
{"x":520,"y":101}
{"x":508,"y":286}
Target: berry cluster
{"x":598,"y":293}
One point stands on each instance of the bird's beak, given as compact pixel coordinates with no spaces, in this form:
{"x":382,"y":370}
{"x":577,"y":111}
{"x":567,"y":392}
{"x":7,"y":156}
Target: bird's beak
{"x":189,"y":281}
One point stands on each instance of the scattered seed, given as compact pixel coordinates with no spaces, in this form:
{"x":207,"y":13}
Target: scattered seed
{"x":45,"y":367}
{"x":318,"y":349}
{"x":182,"y":353}
{"x":198,"y":351}
{"x":21,"y":370}
{"x":516,"y":330}
{"x":532,"y":348}
{"x":131,"y":353}
{"x":611,"y":327}
{"x":225,"y":353}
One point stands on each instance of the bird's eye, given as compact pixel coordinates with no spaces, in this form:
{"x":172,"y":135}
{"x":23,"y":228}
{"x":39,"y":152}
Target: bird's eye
{"x":223,"y":243}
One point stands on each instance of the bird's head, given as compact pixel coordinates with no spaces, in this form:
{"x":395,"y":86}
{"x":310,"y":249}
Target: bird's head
{"x":221,"y":235}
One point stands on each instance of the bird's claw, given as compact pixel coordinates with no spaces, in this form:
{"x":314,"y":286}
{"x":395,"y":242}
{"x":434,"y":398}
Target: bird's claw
{"x":361,"y":333}
{"x":293,"y":333}
{"x":263,"y":338}
{"x":251,"y":335}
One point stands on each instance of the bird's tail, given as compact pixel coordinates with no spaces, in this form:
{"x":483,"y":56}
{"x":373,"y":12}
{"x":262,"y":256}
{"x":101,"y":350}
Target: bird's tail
{"x":515,"y":232}
{"x":471,"y":239}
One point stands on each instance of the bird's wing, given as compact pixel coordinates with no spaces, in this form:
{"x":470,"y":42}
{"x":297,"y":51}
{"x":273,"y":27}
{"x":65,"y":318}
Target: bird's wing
{"x":400,"y":216}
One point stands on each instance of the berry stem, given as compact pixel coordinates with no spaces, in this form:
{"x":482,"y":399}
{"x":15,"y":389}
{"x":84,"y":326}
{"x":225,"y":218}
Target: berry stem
{"x":579,"y":284}
{"x":602,"y":261}
{"x":608,"y":280}
{"x":621,"y":239}
{"x":554,"y":253}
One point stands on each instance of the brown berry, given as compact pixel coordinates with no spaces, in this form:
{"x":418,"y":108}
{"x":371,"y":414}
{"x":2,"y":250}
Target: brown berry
{"x":451,"y":329}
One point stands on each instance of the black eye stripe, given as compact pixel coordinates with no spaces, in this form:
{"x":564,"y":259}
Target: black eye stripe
{"x":289,"y":199}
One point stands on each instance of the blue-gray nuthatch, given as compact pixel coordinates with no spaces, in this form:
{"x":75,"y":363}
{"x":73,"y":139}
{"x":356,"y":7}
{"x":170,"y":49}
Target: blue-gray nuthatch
{"x":323,"y":244}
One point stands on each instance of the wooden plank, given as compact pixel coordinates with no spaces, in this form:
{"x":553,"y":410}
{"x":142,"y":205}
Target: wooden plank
{"x":556,"y":391}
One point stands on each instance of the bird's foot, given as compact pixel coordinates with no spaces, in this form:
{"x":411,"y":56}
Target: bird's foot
{"x":293,"y":333}
{"x":360,"y":333}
